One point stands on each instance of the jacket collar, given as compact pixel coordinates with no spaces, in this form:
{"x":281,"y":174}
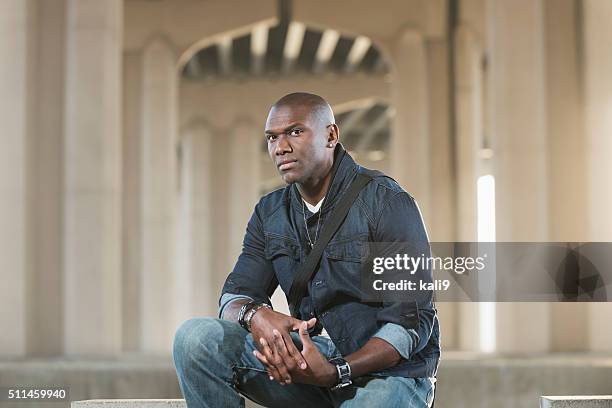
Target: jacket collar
{"x":343,"y":169}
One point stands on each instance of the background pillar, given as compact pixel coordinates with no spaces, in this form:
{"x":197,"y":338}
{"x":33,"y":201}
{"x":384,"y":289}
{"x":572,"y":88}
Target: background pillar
{"x":598,"y":102}
{"x":159,"y":192}
{"x":518,"y":132}
{"x":567,"y":145}
{"x":195,"y":291}
{"x":409,"y":147}
{"x":132,"y":202}
{"x":17,"y":114}
{"x":92,"y":234}
{"x":244,"y":173}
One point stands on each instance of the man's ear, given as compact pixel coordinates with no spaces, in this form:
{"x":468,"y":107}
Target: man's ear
{"x":333,"y":135}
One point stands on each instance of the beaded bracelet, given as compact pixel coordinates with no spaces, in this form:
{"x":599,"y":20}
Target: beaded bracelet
{"x":242,"y":312}
{"x":249,"y":315}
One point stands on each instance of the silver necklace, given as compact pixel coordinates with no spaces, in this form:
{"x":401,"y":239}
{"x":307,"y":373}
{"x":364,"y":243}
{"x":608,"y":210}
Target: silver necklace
{"x":306,"y":225}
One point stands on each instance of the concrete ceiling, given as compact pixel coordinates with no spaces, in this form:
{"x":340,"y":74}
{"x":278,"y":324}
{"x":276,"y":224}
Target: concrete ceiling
{"x":293,"y":49}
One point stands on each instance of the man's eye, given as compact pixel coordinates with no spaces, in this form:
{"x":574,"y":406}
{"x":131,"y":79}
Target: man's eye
{"x":271,"y":138}
{"x":295,"y":132}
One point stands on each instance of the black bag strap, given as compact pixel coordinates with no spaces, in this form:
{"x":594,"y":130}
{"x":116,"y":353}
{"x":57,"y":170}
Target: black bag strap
{"x":306,"y":270}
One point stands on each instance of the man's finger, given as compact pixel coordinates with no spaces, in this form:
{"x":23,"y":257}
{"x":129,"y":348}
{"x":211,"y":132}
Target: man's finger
{"x":261,"y":358}
{"x":282,"y":359}
{"x":265,"y":362}
{"x":269,"y":355}
{"x":294,"y":352}
{"x":305,"y":337}
{"x":298,"y":323}
{"x":276,"y":361}
{"x":311,"y":322}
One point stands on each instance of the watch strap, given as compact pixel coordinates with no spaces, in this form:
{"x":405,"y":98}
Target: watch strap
{"x":344,"y":372}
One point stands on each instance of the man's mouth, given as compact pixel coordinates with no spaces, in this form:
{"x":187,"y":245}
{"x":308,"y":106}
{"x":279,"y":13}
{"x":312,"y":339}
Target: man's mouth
{"x":286,"y":164}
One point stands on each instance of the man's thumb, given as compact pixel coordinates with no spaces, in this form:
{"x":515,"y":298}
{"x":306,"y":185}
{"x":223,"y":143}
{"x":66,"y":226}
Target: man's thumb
{"x":304,"y":336}
{"x":298,"y":323}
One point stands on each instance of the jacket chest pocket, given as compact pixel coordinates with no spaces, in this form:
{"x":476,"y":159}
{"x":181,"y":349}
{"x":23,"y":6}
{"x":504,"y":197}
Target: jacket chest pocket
{"x":345,"y":260}
{"x":284,"y":253}
{"x":353,"y":250}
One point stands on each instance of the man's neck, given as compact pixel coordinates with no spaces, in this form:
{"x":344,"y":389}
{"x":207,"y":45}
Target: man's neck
{"x":314,"y":190}
{"x":313,"y":193}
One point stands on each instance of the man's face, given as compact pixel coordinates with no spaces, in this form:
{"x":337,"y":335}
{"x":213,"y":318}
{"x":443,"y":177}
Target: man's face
{"x":297,"y":143}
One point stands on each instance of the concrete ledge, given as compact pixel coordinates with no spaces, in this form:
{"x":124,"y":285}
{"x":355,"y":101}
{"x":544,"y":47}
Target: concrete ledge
{"x":493,"y":380}
{"x":581,"y":401}
{"x":130,"y":403}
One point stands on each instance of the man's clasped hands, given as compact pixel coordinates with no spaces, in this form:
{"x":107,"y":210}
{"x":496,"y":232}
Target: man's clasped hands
{"x":283,"y":361}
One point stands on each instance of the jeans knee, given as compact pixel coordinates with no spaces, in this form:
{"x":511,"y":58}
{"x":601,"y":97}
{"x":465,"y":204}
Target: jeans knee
{"x":195,"y":338}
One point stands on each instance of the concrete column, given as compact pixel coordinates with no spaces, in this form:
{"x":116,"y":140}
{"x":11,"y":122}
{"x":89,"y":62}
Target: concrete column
{"x":92,"y":189}
{"x":518,"y":131}
{"x":441,"y":227}
{"x":195,"y":283}
{"x":598,"y":102}
{"x":567,"y":144}
{"x":468,"y":119}
{"x":17,"y":115}
{"x":468,"y":43}
{"x":46,"y":305}
{"x":468,"y":142}
{"x":442,"y":188}
{"x":410,"y":144}
{"x":244,"y":176}
{"x":220,"y":181}
{"x":159,"y":191}
{"x":132,"y":201}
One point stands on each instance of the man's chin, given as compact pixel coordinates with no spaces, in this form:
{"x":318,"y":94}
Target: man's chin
{"x":289,"y":178}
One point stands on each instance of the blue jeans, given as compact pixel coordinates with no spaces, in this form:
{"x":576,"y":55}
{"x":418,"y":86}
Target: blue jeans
{"x":215,"y":364}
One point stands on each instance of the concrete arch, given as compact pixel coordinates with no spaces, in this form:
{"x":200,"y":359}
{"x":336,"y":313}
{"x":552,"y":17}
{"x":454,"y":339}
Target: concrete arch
{"x":188,"y":52}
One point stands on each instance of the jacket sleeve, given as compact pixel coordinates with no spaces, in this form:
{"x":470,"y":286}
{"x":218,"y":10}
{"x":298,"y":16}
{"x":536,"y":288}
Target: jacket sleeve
{"x":253,"y":275}
{"x":400,"y":227}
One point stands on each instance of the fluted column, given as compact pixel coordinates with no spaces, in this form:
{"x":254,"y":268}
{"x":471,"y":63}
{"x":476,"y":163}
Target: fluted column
{"x":92,"y":189}
{"x":598,"y":103}
{"x":17,"y":42}
{"x":567,"y":144}
{"x":132,"y":201}
{"x":518,"y":131}
{"x":195,"y":291}
{"x":468,"y":106}
{"x":159,"y":191}
{"x":244,"y":176}
{"x":468,"y":114}
{"x":410,"y":144}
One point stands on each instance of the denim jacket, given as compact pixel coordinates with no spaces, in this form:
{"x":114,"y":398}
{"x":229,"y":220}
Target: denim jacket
{"x":276,"y":241}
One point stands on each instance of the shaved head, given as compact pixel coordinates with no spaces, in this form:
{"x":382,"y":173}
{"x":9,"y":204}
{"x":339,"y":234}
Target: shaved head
{"x":302,"y":136}
{"x":318,"y":107}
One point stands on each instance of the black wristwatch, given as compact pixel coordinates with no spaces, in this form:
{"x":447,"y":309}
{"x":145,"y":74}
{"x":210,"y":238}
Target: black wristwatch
{"x":344,"y":372}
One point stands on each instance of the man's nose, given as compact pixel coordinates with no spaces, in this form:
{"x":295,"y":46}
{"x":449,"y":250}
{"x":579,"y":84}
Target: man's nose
{"x":282,"y":145}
